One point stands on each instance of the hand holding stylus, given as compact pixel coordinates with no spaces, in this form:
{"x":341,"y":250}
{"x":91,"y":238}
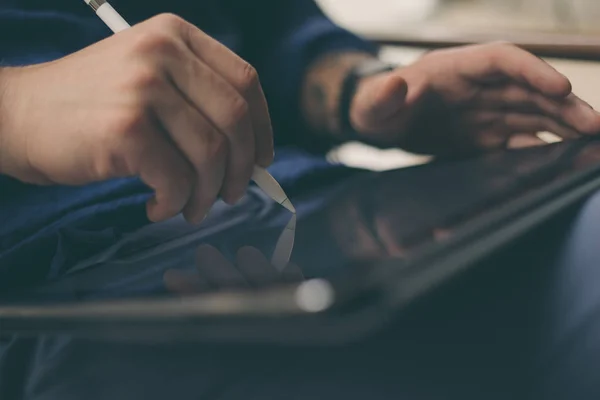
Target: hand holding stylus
{"x":162,"y":101}
{"x":115,"y":22}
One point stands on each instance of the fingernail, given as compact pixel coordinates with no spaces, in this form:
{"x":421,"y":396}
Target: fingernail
{"x":238,"y":198}
{"x":234,"y":198}
{"x":199,"y":220}
{"x":151,"y":206}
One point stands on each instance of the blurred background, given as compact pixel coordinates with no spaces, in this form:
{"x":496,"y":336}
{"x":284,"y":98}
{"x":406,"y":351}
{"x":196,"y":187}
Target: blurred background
{"x":526,"y":15}
{"x":565,"y":32}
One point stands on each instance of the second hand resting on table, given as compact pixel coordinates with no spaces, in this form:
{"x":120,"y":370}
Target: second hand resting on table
{"x":131,"y":105}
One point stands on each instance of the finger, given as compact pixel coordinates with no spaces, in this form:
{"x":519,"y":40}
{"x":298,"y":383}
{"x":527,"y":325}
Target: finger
{"x":163,"y":168}
{"x":581,"y":116}
{"x":216,"y":269}
{"x":226,"y":109}
{"x":377,"y":99}
{"x":184,"y":282}
{"x":524,"y":140}
{"x":244,"y":78}
{"x":204,"y":147}
{"x":536,"y":123}
{"x":500,"y":124}
{"x":490,"y":130}
{"x":386,"y":130}
{"x":255,"y":267}
{"x":261,"y":123}
{"x":571,"y":111}
{"x":209,"y":180}
{"x":517,"y":64}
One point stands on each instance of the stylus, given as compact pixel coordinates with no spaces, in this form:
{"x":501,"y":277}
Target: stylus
{"x":285,"y":244}
{"x":260,"y":176}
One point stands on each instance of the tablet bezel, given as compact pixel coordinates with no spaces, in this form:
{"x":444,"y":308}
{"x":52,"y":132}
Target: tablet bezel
{"x":387,"y":288}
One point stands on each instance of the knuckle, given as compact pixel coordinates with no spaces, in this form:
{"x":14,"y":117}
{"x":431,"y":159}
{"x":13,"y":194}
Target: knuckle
{"x":248,"y":78}
{"x":169,"y":21}
{"x":216,"y":148}
{"x":237,"y":112}
{"x":111,"y":163}
{"x":502,"y":49}
{"x":489,"y":62}
{"x":146,"y":76}
{"x":129,"y":124}
{"x":156,"y":41}
{"x":503,"y":44}
{"x":118,"y":155}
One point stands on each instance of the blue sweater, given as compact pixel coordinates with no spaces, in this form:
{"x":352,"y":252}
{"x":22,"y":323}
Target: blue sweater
{"x":43,"y":229}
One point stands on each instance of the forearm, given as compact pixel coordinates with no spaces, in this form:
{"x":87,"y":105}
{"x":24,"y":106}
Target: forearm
{"x":3,"y":155}
{"x":13,"y":146}
{"x":287,"y":52}
{"x":321,"y":90}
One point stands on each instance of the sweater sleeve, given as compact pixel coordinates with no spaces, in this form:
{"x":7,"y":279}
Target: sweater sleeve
{"x":281,"y":39}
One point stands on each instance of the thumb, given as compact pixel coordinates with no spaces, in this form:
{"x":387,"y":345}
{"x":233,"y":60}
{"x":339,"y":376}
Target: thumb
{"x":378,"y":98}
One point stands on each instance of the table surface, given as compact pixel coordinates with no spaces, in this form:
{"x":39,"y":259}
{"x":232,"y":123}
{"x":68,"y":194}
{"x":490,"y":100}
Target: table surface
{"x":381,"y":17}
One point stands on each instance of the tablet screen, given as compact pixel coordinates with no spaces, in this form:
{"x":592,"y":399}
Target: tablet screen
{"x":344,"y":222}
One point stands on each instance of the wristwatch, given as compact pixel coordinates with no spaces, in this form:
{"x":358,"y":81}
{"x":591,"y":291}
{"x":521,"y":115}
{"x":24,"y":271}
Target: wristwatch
{"x":350,"y":84}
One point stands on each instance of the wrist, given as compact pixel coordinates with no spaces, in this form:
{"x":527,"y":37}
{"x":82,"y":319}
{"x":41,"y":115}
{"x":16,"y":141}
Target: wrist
{"x":3,"y":119}
{"x":322,"y":90}
{"x":356,"y":78}
{"x":12,"y":145}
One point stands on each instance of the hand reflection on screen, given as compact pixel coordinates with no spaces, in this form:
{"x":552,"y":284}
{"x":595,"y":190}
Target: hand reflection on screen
{"x":588,"y":157}
{"x":394,"y":213}
{"x":213,"y":271}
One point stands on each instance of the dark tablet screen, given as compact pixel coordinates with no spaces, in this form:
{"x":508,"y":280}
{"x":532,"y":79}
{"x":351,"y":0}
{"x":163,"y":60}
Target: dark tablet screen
{"x":345,"y":221}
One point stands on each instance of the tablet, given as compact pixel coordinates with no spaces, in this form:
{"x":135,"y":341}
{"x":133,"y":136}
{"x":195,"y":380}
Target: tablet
{"x":365,"y":246}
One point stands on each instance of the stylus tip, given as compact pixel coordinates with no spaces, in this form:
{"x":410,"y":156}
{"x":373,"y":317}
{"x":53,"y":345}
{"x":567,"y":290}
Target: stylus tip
{"x":288,"y":204}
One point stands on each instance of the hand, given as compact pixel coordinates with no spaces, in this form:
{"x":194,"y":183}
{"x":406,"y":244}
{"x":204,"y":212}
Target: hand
{"x":214,"y":271}
{"x":469,"y":99}
{"x":162,"y":101}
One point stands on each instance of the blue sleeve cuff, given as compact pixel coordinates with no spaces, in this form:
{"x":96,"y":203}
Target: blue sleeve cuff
{"x":283,"y":68}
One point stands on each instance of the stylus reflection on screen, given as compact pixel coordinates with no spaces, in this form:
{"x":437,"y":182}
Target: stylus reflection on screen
{"x":285,"y":244}
{"x":249,"y":268}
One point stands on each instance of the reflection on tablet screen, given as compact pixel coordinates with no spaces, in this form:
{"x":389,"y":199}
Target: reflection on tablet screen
{"x":350,"y":223}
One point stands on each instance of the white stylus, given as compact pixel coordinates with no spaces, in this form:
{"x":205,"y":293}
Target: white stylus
{"x":285,"y":244}
{"x":260,"y":176}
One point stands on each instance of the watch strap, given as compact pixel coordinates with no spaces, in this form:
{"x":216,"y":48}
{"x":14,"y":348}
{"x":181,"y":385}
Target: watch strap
{"x":349,"y":86}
